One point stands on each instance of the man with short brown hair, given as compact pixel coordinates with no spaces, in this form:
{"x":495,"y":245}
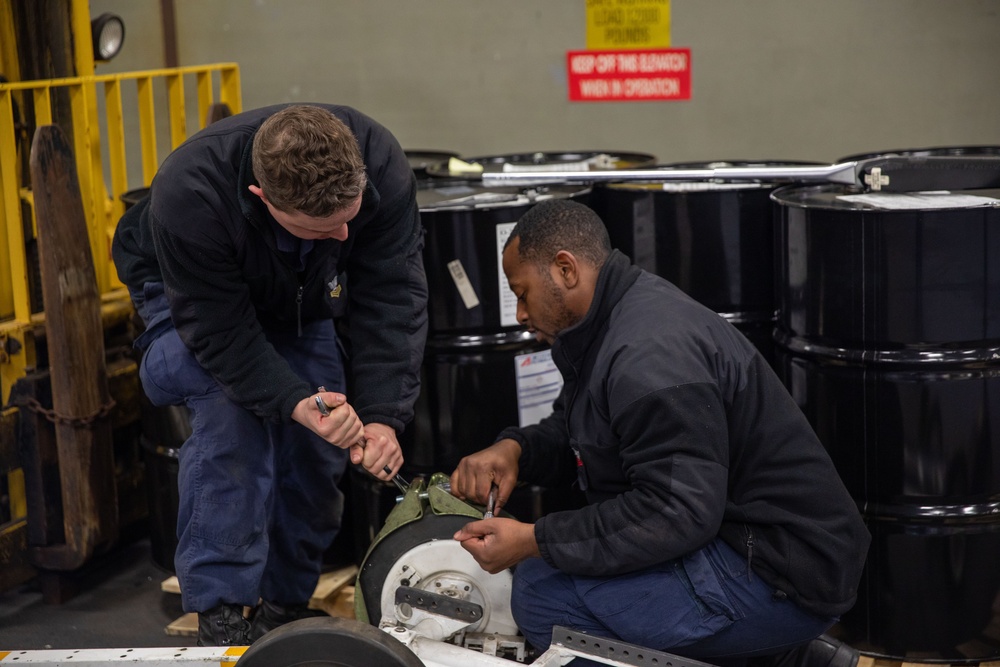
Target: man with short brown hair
{"x":258,"y":232}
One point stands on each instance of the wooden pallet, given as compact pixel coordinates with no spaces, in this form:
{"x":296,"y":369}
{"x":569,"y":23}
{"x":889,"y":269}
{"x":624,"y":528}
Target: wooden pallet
{"x":334,"y":594}
{"x":869,"y":661}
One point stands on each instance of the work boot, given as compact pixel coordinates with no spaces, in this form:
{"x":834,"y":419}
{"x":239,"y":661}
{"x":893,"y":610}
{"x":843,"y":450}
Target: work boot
{"x":824,"y":651}
{"x":269,"y":616}
{"x":223,"y":626}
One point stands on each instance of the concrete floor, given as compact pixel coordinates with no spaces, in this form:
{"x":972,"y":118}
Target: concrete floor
{"x":119,"y":604}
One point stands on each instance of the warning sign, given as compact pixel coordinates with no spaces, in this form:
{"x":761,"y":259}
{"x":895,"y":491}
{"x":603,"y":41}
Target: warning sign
{"x":614,"y":76}
{"x":628,"y":24}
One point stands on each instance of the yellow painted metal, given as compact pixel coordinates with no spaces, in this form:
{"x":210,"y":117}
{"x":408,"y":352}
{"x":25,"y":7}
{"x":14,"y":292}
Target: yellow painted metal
{"x":147,"y":128}
{"x":116,"y":145}
{"x":102,"y":201}
{"x":9,"y":64}
{"x":83,"y":45}
{"x":229,"y":89}
{"x":14,"y":302}
{"x":204,"y":97}
{"x":89,"y":174}
{"x":178,"y":115}
{"x":16,"y":495}
{"x":43,"y":105}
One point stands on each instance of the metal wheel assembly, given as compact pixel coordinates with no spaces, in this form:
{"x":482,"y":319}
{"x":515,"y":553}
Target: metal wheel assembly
{"x":328,"y":642}
{"x":420,"y":577}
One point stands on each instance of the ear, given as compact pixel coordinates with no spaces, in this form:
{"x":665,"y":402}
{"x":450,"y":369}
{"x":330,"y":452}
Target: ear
{"x":566,"y":269}
{"x":255,"y":189}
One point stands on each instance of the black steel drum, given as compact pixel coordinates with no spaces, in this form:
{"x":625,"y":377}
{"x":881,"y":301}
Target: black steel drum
{"x":889,"y":339}
{"x":466,"y":225}
{"x":713,"y":239}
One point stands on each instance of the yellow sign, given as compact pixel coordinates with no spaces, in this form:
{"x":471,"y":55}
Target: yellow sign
{"x":628,"y":24}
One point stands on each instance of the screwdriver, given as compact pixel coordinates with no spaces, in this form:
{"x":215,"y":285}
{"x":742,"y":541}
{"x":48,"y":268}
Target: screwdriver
{"x":324,"y":410}
{"x":491,"y":501}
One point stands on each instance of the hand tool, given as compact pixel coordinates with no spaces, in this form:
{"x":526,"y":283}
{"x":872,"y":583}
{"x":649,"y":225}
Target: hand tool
{"x":324,"y":410}
{"x":888,"y":173}
{"x":491,"y":501}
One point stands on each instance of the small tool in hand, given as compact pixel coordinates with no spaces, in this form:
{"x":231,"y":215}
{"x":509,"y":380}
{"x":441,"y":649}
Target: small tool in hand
{"x":491,"y":501}
{"x":324,"y":410}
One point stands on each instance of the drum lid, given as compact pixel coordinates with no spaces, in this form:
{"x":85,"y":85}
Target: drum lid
{"x":552,"y":161}
{"x":457,"y":195}
{"x":845,"y":198}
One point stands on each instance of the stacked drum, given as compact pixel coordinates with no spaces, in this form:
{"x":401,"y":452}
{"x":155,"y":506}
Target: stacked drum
{"x":713,"y":239}
{"x":889,"y":339}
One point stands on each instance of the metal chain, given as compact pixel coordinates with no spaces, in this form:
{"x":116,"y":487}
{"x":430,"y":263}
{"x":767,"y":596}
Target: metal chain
{"x":32,"y":404}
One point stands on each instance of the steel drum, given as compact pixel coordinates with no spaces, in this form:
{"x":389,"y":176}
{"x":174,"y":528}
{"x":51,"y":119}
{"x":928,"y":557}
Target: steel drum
{"x":714,"y":239}
{"x":889,"y":339}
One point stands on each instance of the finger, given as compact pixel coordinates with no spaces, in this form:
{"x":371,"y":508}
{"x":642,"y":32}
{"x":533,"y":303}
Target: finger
{"x":357,"y":453}
{"x":332,"y":399}
{"x":469,"y":531}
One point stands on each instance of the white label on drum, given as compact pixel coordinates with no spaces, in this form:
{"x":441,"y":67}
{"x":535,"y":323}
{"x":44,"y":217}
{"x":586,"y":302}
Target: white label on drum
{"x":508,"y":302}
{"x":465,"y":288}
{"x":920,"y":200}
{"x":538,"y":383}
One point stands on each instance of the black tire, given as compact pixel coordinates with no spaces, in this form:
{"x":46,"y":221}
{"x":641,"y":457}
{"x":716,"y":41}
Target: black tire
{"x":381,"y":560}
{"x":328,"y":642}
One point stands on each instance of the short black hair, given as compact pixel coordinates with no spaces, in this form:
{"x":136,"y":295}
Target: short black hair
{"x":561,"y":224}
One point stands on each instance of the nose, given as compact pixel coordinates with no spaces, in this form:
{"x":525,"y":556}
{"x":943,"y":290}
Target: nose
{"x":521,"y":314}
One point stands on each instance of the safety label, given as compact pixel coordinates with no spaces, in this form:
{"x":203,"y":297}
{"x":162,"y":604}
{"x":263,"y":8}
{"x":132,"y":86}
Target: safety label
{"x":508,"y":302}
{"x":538,"y":383}
{"x":461,"y":280}
{"x":632,"y":76}
{"x":628,"y":24}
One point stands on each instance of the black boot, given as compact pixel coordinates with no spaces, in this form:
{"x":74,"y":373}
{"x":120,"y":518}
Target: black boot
{"x":824,"y":651}
{"x":223,"y":626}
{"x":269,"y":616}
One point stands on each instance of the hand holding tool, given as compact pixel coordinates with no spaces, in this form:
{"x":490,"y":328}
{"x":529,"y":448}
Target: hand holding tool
{"x":324,"y":410}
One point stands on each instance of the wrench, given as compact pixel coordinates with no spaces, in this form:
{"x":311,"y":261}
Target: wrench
{"x":324,"y":410}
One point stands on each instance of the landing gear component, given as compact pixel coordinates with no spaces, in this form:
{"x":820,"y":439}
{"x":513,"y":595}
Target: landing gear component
{"x":328,"y":642}
{"x":417,"y":577}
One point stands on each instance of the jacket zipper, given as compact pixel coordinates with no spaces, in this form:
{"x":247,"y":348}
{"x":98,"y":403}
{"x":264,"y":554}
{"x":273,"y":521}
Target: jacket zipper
{"x":749,"y":553}
{"x":298,"y":308}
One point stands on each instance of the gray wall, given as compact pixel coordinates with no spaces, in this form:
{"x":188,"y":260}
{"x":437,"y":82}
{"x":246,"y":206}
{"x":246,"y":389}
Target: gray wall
{"x":771,"y":79}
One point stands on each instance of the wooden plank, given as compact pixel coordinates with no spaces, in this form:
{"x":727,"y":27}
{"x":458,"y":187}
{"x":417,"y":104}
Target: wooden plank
{"x":171,"y":585}
{"x":341,"y":605}
{"x":330,"y":584}
{"x":185,"y":626}
{"x":333,"y":595}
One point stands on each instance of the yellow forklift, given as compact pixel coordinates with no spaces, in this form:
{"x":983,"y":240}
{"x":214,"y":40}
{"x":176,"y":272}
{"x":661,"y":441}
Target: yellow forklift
{"x":71,"y":474}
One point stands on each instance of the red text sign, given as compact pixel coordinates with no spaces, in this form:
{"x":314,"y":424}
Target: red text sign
{"x":619,"y":76}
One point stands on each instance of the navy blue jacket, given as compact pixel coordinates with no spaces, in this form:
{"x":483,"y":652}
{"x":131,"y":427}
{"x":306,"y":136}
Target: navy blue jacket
{"x":684,"y":433}
{"x":212,"y":243}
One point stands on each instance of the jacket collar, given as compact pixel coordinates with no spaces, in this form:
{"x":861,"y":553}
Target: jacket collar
{"x":615,"y":278}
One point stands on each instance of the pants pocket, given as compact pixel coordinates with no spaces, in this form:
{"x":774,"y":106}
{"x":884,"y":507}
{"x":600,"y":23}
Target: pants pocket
{"x":707,"y":587}
{"x":663,"y":607}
